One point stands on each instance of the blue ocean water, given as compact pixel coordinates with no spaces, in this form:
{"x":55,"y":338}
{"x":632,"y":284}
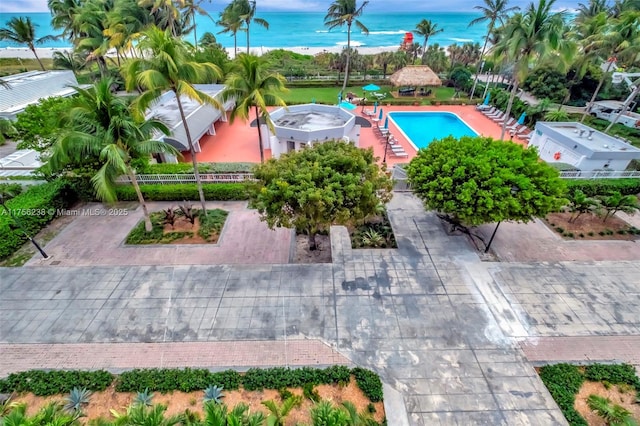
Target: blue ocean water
{"x":294,"y":29}
{"x":423,"y":127}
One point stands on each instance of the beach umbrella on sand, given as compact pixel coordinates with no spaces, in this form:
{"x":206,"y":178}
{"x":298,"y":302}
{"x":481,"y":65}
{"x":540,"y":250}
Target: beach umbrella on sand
{"x":521,"y":119}
{"x":347,"y":105}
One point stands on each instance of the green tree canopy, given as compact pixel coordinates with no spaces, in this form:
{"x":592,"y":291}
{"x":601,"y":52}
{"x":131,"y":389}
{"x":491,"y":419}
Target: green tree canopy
{"x":478,"y":180}
{"x":311,"y":189}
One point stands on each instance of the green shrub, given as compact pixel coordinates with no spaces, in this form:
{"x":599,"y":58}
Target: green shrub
{"x":185,"y":191}
{"x":613,"y":373}
{"x":279,"y":377}
{"x":10,"y":190}
{"x":563,"y":382}
{"x":309,"y":391}
{"x":44,"y":383}
{"x":559,"y":229}
{"x":212,"y":224}
{"x":369,"y":383}
{"x":168,"y":380}
{"x":33,"y":209}
{"x":595,"y":187}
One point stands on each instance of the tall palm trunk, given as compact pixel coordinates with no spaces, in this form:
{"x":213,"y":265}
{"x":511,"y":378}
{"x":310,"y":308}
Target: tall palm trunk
{"x":147,"y":219}
{"x":192,"y":150}
{"x":475,"y":80}
{"x":259,"y":135}
{"x":247,"y":38}
{"x":33,"y":49}
{"x":509,"y":105}
{"x":235,"y":44}
{"x":625,"y":106}
{"x":346,"y":67}
{"x":195,"y":33}
{"x":595,"y":94}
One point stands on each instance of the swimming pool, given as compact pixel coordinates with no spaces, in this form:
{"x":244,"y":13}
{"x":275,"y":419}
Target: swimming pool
{"x":421,"y":128}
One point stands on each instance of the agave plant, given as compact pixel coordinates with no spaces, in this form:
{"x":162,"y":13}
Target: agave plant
{"x":77,"y":398}
{"x":214,"y":394}
{"x":169,"y":216}
{"x":189,"y":212}
{"x":372,"y":238}
{"x":144,"y":398}
{"x":611,"y":413}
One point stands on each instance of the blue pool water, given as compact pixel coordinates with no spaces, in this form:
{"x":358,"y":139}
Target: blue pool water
{"x":421,"y":128}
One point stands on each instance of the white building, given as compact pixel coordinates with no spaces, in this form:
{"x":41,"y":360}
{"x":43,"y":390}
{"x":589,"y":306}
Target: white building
{"x":200,"y":117}
{"x":299,"y":126}
{"x":581,"y":147}
{"x":22,"y":90}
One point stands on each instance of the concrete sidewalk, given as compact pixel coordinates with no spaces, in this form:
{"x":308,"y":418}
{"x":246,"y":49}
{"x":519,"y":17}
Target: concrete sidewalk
{"x":438,"y":325}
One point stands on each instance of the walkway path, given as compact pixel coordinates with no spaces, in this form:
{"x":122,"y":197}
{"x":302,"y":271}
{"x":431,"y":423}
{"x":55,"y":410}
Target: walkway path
{"x":437,"y":324}
{"x":100,"y":240}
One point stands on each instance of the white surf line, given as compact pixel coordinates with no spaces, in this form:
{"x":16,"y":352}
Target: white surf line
{"x":510,"y":322}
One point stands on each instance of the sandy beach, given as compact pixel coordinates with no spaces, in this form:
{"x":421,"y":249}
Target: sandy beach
{"x":47,"y":52}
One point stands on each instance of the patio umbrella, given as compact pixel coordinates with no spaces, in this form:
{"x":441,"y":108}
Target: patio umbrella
{"x":375,"y":107}
{"x":371,"y":88}
{"x":521,"y":119}
{"x":386,"y":122}
{"x":347,"y":105}
{"x":380,"y":116}
{"x":339,"y":97}
{"x":486,"y":99}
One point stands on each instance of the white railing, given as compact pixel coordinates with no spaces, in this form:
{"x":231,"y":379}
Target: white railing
{"x":188,"y":178}
{"x":599,"y":174}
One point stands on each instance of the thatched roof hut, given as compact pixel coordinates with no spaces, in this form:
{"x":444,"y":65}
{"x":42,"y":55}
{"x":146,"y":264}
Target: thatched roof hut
{"x":415,"y":75}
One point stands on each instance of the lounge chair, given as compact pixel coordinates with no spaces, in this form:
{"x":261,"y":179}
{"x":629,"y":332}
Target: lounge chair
{"x":497,"y":117}
{"x":399,"y":154}
{"x":518,"y":128}
{"x":489,"y":111}
{"x":379,"y":95}
{"x":498,"y":113}
{"x":509,"y":122}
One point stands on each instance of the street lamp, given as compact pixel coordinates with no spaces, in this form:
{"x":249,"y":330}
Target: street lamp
{"x":15,"y":219}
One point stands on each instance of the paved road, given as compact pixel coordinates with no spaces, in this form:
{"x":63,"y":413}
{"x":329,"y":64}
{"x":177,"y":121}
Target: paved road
{"x":440,"y":326}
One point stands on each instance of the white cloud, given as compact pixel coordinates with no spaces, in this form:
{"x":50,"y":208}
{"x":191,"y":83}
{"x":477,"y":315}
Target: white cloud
{"x":27,"y":6}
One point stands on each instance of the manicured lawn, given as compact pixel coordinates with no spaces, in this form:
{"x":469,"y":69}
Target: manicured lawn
{"x":329,"y":95}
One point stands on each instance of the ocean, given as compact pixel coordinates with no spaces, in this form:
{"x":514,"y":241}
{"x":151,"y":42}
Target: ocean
{"x":294,"y":29}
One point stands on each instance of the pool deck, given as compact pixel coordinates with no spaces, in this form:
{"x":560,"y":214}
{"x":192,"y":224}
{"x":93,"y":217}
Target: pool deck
{"x":239,"y":142}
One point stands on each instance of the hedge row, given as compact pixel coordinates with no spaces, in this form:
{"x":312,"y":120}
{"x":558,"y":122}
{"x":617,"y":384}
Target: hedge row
{"x":32,"y":209}
{"x":564,"y":382}
{"x":185,"y":191}
{"x":186,"y":168}
{"x":595,"y":187}
{"x":187,"y":380}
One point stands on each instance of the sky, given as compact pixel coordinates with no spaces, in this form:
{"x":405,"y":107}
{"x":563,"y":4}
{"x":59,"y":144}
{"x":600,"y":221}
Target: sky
{"x":31,"y":6}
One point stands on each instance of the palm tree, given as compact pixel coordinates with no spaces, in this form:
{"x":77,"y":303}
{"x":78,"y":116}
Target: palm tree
{"x":22,"y":31}
{"x":347,"y":12}
{"x":436,"y":58}
{"x":622,"y":41}
{"x":101,"y":125}
{"x":69,"y":61}
{"x":529,"y":36}
{"x":250,"y":84}
{"x":246,"y":11}
{"x":591,"y":9}
{"x":139,"y":414}
{"x":166,"y":14}
{"x":278,"y":413}
{"x":231,"y":23}
{"x":400,"y":59}
{"x":191,"y":8}
{"x":493,"y":11}
{"x":62,"y":16}
{"x":167,"y":68}
{"x":426,"y":29}
{"x":383,"y":59}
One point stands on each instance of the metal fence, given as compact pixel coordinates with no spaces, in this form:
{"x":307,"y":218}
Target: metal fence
{"x":188,"y":178}
{"x":599,"y":174}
